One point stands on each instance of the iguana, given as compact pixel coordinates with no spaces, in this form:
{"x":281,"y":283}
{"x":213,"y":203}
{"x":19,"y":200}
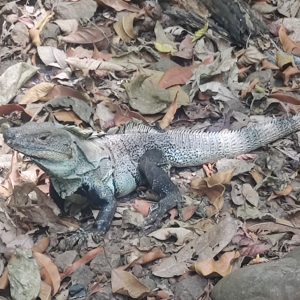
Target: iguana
{"x":111,"y":166}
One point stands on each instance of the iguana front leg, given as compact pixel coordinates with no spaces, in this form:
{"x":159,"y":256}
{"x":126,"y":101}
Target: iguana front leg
{"x":151,"y":166}
{"x":103,"y":198}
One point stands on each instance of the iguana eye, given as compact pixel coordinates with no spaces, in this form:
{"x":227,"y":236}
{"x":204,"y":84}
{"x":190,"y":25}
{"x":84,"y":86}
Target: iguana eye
{"x":43,"y":137}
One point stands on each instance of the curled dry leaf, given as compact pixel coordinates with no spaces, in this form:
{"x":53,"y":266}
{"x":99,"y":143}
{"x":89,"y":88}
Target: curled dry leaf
{"x":291,"y":98}
{"x":188,"y":212}
{"x":49,"y":271}
{"x":222,"y":266}
{"x":37,"y":92}
{"x":169,"y":116}
{"x":119,"y":5}
{"x":213,"y":187}
{"x":37,"y":29}
{"x":288,"y":73}
{"x":125,"y":283}
{"x":181,"y":234}
{"x":42,"y":245}
{"x":219,"y":236}
{"x":52,"y":56}
{"x":146,"y":258}
{"x":142,"y":206}
{"x":177,"y":75}
{"x":288,"y":45}
{"x":82,"y":261}
{"x":88,"y":35}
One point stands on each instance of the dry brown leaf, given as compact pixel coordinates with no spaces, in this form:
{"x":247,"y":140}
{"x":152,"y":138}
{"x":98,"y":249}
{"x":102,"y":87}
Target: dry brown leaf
{"x":257,"y":176}
{"x":119,"y":5}
{"x":142,"y":206}
{"x":177,"y":75}
{"x":222,"y":266}
{"x":267,"y":65}
{"x":42,"y":245}
{"x":67,"y":116}
{"x":45,"y":291}
{"x":37,"y":92}
{"x":119,"y":29}
{"x":4,"y":279}
{"x":82,"y":261}
{"x":88,"y":35}
{"x":37,"y":29}
{"x":291,"y":98}
{"x":169,"y":116}
{"x":185,"y":48}
{"x":125,"y":283}
{"x":49,"y":271}
{"x":188,"y":212}
{"x":288,"y":45}
{"x":146,"y":258}
{"x":64,"y":91}
{"x":288,"y":73}
{"x":213,"y":187}
{"x":127,"y":22}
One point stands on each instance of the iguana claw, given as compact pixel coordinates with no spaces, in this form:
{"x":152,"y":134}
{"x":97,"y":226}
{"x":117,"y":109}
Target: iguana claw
{"x":78,"y":239}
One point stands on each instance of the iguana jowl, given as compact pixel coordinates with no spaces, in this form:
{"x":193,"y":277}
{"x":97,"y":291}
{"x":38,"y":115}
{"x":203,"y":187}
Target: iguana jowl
{"x":112,"y":166}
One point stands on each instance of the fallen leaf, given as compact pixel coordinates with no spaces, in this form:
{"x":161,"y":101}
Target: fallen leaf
{"x":176,"y":75}
{"x":213,"y":187}
{"x":203,"y":247}
{"x":88,"y":35}
{"x":119,"y":5}
{"x":4,"y":279}
{"x":288,"y":73}
{"x":169,"y":116}
{"x":142,"y":207}
{"x":250,"y":194}
{"x":288,"y":45}
{"x":42,"y":245}
{"x":13,"y":79}
{"x":45,"y":291}
{"x":49,"y":271}
{"x":292,"y":98}
{"x":90,"y":255}
{"x":125,"y":283}
{"x":200,"y":33}
{"x":52,"y":56}
{"x":222,"y":266}
{"x":148,"y":257}
{"x":37,"y":92}
{"x":146,"y":97}
{"x":188,"y":212}
{"x":37,"y":29}
{"x":163,"y":44}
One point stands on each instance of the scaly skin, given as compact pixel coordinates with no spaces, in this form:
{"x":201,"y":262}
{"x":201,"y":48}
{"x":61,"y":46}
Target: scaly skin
{"x":114,"y":165}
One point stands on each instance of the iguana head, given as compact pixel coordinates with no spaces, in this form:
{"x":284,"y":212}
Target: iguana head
{"x":52,"y":147}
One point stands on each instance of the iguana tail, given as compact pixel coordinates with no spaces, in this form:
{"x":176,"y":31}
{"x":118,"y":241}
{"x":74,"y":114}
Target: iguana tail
{"x":195,"y":148}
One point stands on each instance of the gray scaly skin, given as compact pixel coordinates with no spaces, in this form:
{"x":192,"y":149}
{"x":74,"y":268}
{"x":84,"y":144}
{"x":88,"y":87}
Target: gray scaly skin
{"x":112,"y":166}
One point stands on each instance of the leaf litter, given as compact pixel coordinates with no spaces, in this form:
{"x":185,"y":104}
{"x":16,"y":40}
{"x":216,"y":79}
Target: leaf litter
{"x":115,"y":62}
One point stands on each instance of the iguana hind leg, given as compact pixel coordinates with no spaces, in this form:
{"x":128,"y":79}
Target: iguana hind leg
{"x":152,"y":166}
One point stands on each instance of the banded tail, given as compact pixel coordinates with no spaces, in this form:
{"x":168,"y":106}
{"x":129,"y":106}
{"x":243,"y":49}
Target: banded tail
{"x":192,"y":148}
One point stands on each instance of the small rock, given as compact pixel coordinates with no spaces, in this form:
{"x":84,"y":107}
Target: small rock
{"x":82,"y":276}
{"x":105,"y":262}
{"x":278,"y":280}
{"x":82,"y":9}
{"x":190,"y":288}
{"x":65,"y":259}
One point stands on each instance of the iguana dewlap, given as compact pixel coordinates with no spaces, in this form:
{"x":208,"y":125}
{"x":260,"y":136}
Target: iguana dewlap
{"x":111,"y":166}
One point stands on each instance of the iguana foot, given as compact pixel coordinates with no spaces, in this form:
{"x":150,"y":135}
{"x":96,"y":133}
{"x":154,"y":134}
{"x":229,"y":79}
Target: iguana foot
{"x":152,"y":165}
{"x":78,"y":239}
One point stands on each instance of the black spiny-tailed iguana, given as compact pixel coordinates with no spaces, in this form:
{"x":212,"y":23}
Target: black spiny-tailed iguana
{"x":112,"y":166}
